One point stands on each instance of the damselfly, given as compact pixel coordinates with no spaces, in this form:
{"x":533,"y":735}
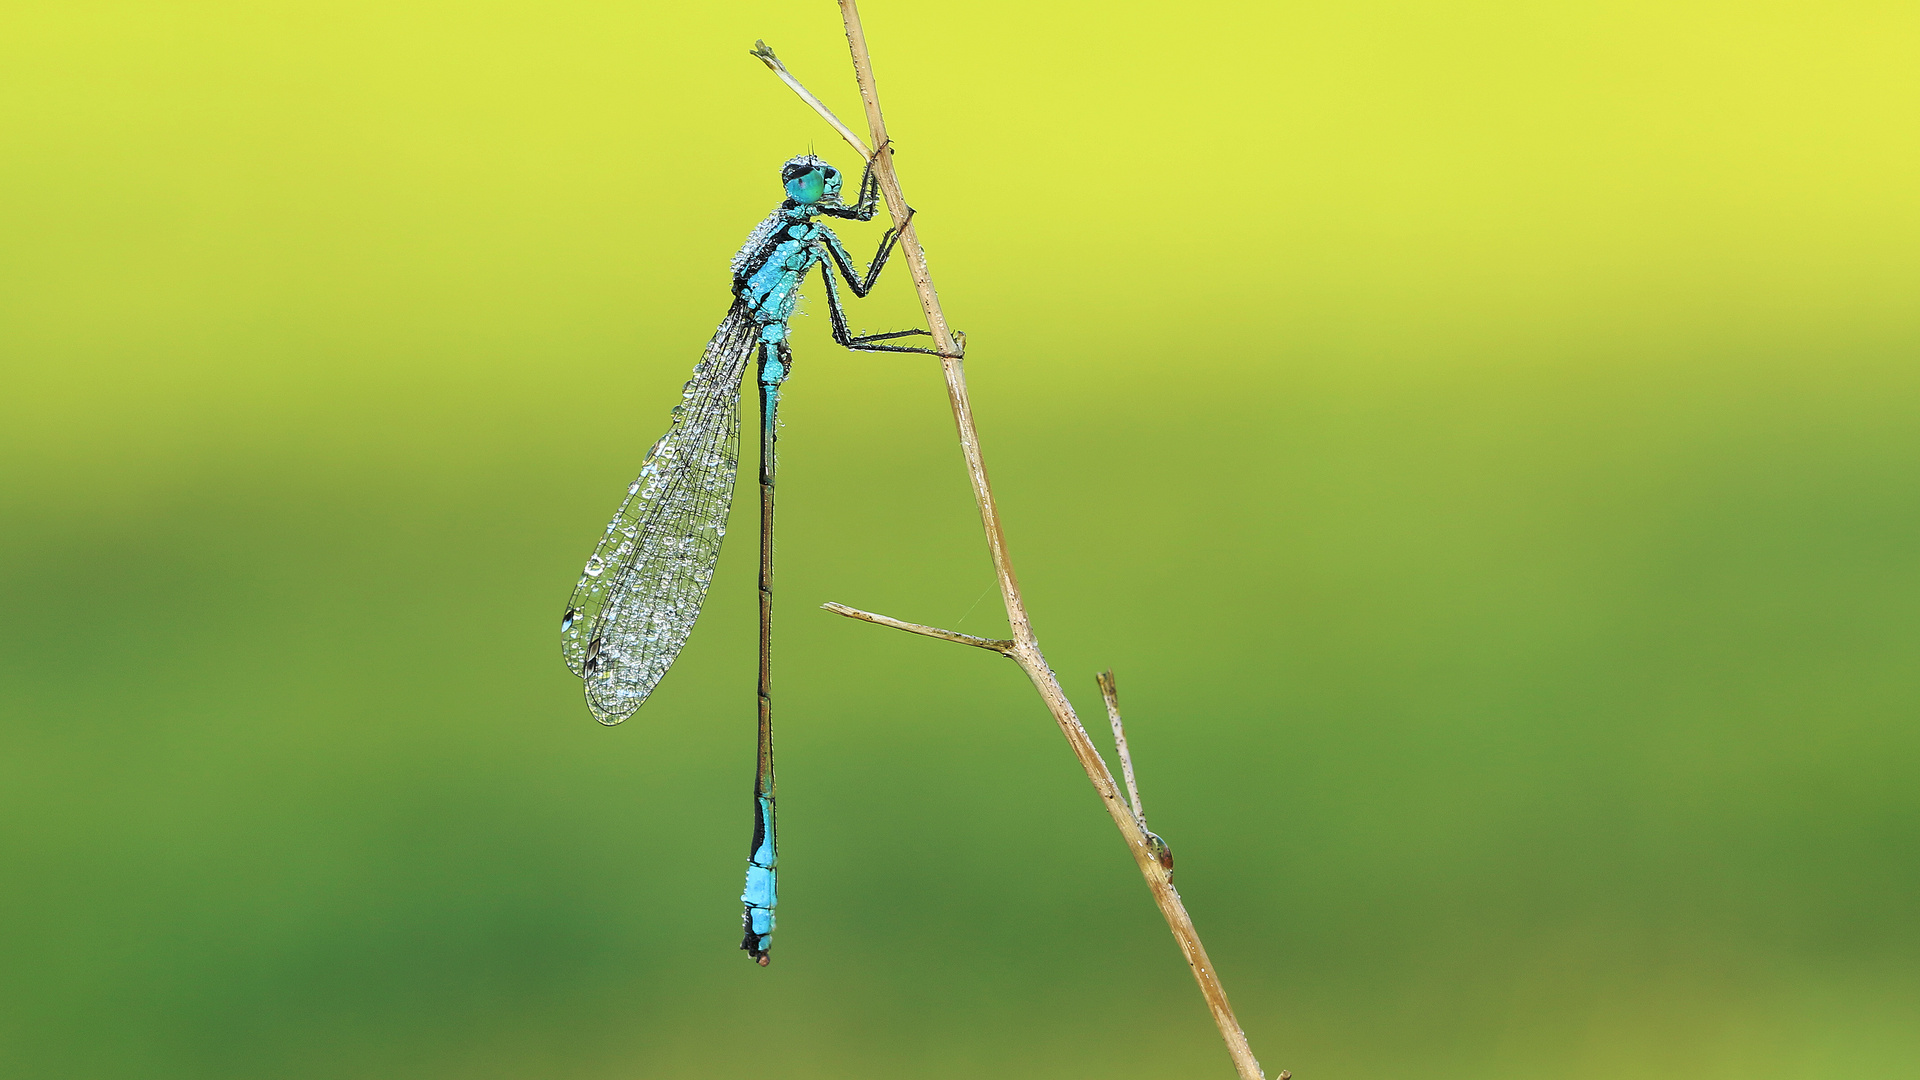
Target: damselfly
{"x":645,"y":581}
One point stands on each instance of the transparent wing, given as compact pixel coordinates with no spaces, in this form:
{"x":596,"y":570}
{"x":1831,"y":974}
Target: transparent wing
{"x":643,"y":586}
{"x":756,"y":240}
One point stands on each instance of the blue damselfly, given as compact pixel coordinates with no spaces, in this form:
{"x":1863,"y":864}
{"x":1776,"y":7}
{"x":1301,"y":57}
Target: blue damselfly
{"x":646,"y":579}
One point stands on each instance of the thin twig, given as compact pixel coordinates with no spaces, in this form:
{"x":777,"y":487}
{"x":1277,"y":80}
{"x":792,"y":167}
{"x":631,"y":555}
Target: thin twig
{"x":1024,"y":648}
{"x":1111,"y":694}
{"x":765,"y":56}
{"x":992,"y":644}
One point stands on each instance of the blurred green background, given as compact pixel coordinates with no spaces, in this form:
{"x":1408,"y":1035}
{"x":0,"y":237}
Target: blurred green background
{"x":1482,"y":437}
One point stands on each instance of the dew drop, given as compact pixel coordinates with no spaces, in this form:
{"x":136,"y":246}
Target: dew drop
{"x":566,"y":621}
{"x":595,"y":567}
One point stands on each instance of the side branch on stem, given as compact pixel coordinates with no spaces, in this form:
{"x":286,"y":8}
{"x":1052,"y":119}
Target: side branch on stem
{"x":765,"y":55}
{"x":1111,"y":693}
{"x":1024,"y":647}
{"x":999,"y":645}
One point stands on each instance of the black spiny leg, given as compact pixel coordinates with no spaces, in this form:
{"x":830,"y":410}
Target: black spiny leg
{"x":845,"y":337}
{"x":861,"y":286}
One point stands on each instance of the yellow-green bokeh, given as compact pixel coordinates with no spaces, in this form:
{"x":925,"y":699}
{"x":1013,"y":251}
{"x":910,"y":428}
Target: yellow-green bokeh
{"x":1482,"y":437}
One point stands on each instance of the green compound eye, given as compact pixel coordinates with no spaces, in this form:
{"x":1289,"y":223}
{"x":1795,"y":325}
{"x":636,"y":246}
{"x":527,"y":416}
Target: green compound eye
{"x":809,"y":187}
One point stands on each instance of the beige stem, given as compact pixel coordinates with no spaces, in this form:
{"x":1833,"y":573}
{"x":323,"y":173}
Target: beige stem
{"x":999,"y":645}
{"x":1024,"y":649}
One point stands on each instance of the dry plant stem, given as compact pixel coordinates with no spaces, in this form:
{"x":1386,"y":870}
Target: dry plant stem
{"x":999,"y":645}
{"x":1023,"y":649}
{"x":766,"y":57}
{"x":1111,"y":694}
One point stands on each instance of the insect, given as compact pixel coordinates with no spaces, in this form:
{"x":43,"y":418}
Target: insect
{"x":647,"y":577}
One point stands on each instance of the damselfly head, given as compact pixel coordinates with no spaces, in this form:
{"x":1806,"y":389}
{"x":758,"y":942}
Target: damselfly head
{"x":810,"y":180}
